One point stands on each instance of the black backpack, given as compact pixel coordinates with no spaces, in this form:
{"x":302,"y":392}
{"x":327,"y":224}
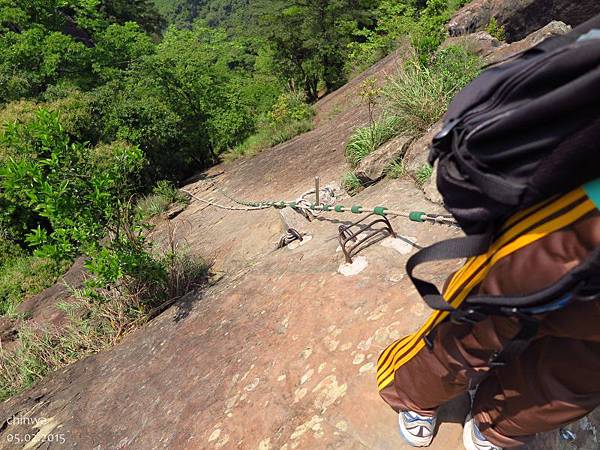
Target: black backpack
{"x":525,"y":130}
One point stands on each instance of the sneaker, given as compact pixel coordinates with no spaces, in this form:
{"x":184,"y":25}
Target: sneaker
{"x":473,"y":439}
{"x":417,"y":430}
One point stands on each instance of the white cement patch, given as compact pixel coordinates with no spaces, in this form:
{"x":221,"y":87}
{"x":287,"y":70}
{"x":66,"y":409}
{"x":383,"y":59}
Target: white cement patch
{"x":400,"y":244}
{"x":359,"y":264}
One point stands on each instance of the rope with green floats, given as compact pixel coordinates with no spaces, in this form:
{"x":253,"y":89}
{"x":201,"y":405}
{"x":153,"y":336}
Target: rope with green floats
{"x":415,"y":216}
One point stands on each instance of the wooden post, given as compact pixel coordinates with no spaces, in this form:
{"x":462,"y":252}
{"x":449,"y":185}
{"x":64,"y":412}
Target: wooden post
{"x":317,"y":191}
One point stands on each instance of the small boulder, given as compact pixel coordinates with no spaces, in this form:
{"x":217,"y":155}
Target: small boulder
{"x":480,"y":43}
{"x":430,"y":189}
{"x":373,"y":166}
{"x":554,"y":28}
{"x":418,"y":152}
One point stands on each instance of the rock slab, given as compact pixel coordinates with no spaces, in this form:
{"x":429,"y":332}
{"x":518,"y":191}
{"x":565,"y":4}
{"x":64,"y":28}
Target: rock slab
{"x":374,"y":165}
{"x":520,"y":17}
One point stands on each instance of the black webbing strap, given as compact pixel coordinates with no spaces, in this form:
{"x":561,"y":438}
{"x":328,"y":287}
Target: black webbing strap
{"x":450,"y":249}
{"x":516,"y":346}
{"x":587,"y":273}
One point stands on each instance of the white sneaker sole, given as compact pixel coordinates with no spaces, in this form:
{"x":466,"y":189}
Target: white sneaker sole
{"x":467,"y":433}
{"x":412,"y":440}
{"x":468,"y":436}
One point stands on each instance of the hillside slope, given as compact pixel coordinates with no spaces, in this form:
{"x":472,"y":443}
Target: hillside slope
{"x":282,"y":350}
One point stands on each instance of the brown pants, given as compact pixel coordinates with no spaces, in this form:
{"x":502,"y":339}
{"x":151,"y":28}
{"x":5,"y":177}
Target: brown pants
{"x":555,"y":381}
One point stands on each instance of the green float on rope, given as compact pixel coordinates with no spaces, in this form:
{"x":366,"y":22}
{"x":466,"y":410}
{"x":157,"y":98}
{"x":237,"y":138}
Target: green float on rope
{"x":416,"y":216}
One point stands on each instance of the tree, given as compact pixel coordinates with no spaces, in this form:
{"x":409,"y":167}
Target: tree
{"x":194,"y":97}
{"x":47,"y":42}
{"x":57,"y":195}
{"x":310,"y":39}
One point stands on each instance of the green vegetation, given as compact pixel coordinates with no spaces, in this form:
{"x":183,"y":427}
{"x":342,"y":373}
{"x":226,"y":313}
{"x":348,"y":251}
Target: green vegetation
{"x":60,"y":199}
{"x":419,"y":95}
{"x":96,"y":322}
{"x":289,"y":116}
{"x":23,"y":275}
{"x":414,"y":99}
{"x":396,"y":169}
{"x":420,"y":22}
{"x":496,"y":30}
{"x":162,"y":197}
{"x":351,"y":183}
{"x":366,"y":139}
{"x":105,"y":106}
{"x":423,"y":174}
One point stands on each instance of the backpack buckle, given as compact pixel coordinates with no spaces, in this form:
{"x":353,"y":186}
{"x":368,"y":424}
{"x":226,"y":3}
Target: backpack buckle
{"x":446,"y":129}
{"x":467,"y":316}
{"x":587,"y":290}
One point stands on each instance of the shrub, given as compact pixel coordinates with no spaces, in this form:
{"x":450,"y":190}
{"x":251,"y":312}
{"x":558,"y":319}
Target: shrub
{"x":163,"y":195}
{"x":496,"y":30}
{"x":58,"y":196}
{"x":290,"y":107}
{"x":421,"y":22}
{"x":289,"y":117}
{"x":366,"y":139}
{"x":419,"y":95}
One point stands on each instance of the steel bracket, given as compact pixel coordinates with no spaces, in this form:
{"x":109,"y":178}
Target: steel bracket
{"x":371,"y":233}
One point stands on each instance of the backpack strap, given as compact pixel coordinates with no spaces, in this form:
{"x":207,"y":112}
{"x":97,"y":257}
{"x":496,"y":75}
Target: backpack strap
{"x":521,"y":232}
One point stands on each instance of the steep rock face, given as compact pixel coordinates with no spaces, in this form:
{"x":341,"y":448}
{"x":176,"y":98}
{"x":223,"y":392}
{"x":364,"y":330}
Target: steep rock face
{"x":521,"y":17}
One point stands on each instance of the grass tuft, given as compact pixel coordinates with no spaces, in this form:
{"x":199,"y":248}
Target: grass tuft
{"x":351,"y":183}
{"x":418,"y":95}
{"x":423,"y":174}
{"x":163,"y":196}
{"x":367,"y":139}
{"x":267,"y":137}
{"x":396,"y":169}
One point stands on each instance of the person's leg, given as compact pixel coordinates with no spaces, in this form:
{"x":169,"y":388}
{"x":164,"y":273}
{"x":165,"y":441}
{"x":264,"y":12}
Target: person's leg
{"x":458,"y":360}
{"x":554,"y":382}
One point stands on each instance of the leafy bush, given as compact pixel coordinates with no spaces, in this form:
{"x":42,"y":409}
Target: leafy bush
{"x":419,"y":95}
{"x":288,"y":117}
{"x":290,"y":107}
{"x":53,"y":196}
{"x":366,"y":139}
{"x":421,"y":21}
